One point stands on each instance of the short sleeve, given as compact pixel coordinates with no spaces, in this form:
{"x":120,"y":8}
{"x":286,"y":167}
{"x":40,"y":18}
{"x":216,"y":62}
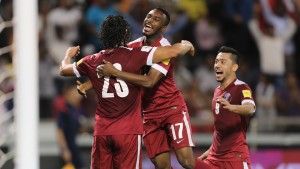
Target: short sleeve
{"x":163,"y":66}
{"x":80,"y":68}
{"x":246,"y":95}
{"x":144,"y":55}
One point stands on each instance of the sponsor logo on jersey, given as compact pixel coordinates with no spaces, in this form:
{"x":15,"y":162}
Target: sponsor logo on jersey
{"x":146,"y":48}
{"x":247,"y":93}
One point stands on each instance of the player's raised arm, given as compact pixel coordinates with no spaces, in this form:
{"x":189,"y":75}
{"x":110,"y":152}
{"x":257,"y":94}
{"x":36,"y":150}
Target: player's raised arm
{"x":178,"y":49}
{"x":66,"y":68}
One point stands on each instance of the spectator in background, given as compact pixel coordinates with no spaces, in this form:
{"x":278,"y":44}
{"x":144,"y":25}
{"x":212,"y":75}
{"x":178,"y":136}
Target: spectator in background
{"x":61,"y":32}
{"x":266,"y":109}
{"x":239,"y":11}
{"x":62,"y":28}
{"x":249,"y":73}
{"x":204,"y":75}
{"x":271,"y":47}
{"x":208,"y":35}
{"x":288,"y":98}
{"x":199,"y":106}
{"x":68,"y":112}
{"x":236,"y":16}
{"x":194,"y":9}
{"x":95,"y":15}
{"x":47,"y":90}
{"x":297,"y":39}
{"x":183,"y":76}
{"x":280,"y":21}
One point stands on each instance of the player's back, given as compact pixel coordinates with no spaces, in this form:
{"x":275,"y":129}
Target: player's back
{"x":119,"y":102}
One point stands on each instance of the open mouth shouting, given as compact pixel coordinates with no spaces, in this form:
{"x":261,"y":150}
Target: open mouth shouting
{"x":148,"y":27}
{"x":219,"y":73}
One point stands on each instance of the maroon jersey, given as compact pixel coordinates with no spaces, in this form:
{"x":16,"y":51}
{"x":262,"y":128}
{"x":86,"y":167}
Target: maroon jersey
{"x":119,"y":104}
{"x":157,"y":101}
{"x":229,"y":140}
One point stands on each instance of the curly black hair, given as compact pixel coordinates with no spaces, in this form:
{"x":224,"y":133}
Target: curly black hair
{"x":114,"y":32}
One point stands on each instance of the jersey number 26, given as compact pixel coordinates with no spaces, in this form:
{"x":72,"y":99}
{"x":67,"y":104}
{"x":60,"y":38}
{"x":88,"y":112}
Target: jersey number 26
{"x":120,"y":87}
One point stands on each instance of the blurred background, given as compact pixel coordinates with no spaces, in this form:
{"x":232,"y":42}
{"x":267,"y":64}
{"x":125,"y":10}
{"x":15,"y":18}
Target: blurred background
{"x":265,"y":32}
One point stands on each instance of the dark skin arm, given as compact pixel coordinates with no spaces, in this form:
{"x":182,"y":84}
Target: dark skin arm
{"x":148,"y":81}
{"x":153,"y":76}
{"x":66,"y":68}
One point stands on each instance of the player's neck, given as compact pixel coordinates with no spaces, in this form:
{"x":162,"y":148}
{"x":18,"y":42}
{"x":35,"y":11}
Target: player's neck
{"x":227,"y":82}
{"x":149,"y":40}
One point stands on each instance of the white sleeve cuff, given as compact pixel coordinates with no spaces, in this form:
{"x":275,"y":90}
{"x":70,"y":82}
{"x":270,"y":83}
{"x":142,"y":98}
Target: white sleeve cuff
{"x":249,"y":101}
{"x":150,"y":56}
{"x":75,"y":70}
{"x":160,"y":69}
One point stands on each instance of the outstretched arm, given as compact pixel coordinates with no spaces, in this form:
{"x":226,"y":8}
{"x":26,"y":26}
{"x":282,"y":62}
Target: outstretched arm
{"x":148,"y":81}
{"x":178,"y":49}
{"x":66,"y":68}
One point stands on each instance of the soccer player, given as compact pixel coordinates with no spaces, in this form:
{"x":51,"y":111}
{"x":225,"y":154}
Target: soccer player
{"x":166,"y":119}
{"x":118,"y":119}
{"x":232,"y":106}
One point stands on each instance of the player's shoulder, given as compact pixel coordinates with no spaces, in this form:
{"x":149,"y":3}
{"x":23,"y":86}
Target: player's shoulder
{"x":164,"y":42}
{"x":241,"y":84}
{"x":136,"y":42}
{"x":136,"y":49}
{"x":95,"y":55}
{"x":238,"y":82}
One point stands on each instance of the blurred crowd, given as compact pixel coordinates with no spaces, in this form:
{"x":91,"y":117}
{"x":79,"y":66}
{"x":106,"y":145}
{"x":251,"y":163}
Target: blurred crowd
{"x":265,"y":32}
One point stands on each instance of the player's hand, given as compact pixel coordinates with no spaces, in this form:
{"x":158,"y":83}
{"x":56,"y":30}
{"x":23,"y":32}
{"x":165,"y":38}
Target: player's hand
{"x":73,"y":51}
{"x":224,"y":103}
{"x":106,"y":69}
{"x":203,"y":156}
{"x":81,"y":89}
{"x":192,"y":50}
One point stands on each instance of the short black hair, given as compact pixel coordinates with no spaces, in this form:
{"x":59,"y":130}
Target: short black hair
{"x":114,"y":32}
{"x":168,"y":18}
{"x":235,"y":56}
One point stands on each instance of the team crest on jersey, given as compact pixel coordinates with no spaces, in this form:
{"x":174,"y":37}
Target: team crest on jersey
{"x":166,"y":62}
{"x":79,"y":62}
{"x":146,"y":48}
{"x":247,"y":93}
{"x":227,"y":96}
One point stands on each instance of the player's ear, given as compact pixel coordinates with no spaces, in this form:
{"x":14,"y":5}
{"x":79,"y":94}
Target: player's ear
{"x":164,"y":28}
{"x":235,"y":67}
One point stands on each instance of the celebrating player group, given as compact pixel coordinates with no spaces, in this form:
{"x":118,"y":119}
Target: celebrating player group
{"x":138,"y":100}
